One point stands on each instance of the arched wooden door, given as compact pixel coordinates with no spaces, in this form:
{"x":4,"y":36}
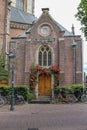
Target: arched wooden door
{"x":44,"y":85}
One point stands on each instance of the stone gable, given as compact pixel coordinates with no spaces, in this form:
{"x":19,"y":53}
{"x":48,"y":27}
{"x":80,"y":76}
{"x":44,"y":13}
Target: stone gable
{"x":45,"y":31}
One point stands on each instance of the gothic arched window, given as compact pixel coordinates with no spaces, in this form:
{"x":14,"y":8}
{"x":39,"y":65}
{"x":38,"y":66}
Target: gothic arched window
{"x":45,"y":56}
{"x":20,"y":4}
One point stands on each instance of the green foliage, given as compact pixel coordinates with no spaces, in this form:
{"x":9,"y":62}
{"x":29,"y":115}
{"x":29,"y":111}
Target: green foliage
{"x":37,"y":70}
{"x":82,"y":16}
{"x":56,"y":80}
{"x":5,"y":90}
{"x":3,"y":78}
{"x":3,"y":71}
{"x":2,"y":62}
{"x":21,"y":90}
{"x":30,"y":96}
{"x":63,"y":88}
{"x":76,"y":89}
{"x":76,"y":86}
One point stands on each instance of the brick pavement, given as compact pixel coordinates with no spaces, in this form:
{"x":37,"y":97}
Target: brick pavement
{"x":17,"y":108}
{"x":44,"y":117}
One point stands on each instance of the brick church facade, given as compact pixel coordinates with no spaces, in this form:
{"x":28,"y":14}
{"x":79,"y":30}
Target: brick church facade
{"x":47,"y":44}
{"x":45,"y":52}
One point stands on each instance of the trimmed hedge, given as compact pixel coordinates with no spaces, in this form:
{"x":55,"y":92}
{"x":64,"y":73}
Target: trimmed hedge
{"x":21,"y":90}
{"x":76,"y":89}
{"x":5,"y":90}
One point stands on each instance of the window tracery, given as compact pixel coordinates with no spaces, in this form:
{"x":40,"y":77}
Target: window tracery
{"x":45,"y":56}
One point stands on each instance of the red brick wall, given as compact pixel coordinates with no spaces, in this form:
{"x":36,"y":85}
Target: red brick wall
{"x":26,"y":54}
{"x":19,"y":61}
{"x":15,"y":32}
{"x":2,"y":21}
{"x":68,"y":61}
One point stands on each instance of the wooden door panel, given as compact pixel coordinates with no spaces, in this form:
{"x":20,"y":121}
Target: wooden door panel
{"x":41,"y":85}
{"x":48,"y":85}
{"x":44,"y":85}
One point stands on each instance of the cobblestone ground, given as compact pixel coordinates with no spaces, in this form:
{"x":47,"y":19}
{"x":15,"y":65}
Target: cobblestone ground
{"x":44,"y":117}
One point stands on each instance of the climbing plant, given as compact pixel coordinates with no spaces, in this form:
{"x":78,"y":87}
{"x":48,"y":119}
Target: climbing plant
{"x":36,"y":70}
{"x":3,"y":71}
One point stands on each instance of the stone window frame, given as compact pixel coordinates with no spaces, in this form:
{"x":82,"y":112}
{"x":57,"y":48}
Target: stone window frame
{"x":20,"y":4}
{"x":45,"y":56}
{"x":43,"y":26}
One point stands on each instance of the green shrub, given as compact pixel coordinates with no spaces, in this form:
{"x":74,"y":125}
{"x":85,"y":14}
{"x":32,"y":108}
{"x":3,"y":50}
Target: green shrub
{"x":20,"y":90}
{"x":5,"y":90}
{"x":78,"y":90}
{"x":62,"y":88}
{"x":30,"y":96}
{"x":3,"y":71}
{"x":76,"y":86}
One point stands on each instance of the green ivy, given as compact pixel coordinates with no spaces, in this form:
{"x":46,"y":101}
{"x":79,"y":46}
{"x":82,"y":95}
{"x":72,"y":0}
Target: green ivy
{"x":3,"y":71}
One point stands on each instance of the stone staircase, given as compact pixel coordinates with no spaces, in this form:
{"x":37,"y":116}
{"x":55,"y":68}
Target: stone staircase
{"x":41,"y":100}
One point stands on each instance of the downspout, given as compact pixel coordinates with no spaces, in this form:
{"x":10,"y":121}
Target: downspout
{"x":58,"y":54}
{"x":74,"y":61}
{"x":6,"y":31}
{"x":74,"y":78}
{"x":5,"y":24}
{"x":74,"y":44}
{"x":58,"y":51}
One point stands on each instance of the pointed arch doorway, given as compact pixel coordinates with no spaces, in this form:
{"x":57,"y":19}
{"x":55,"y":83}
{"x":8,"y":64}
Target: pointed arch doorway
{"x":44,"y":85}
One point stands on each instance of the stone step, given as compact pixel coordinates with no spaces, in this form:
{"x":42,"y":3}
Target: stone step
{"x":41,"y":100}
{"x":44,"y":98}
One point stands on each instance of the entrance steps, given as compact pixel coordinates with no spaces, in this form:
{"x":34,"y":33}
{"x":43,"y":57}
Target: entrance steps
{"x":41,"y":100}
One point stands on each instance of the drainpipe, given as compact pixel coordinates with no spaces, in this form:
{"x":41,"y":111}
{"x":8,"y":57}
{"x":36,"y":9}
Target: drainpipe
{"x":58,"y":51}
{"x":5,"y":22}
{"x":74,"y":61}
{"x":5,"y":48}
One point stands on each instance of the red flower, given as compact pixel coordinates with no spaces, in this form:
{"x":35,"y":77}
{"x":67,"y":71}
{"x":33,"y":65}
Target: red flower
{"x":46,"y":71}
